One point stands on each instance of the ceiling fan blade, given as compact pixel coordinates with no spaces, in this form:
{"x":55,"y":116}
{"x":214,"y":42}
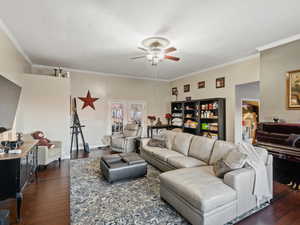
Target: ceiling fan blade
{"x":143,"y":49}
{"x":171,"y":49}
{"x":138,"y":57}
{"x":172,"y":58}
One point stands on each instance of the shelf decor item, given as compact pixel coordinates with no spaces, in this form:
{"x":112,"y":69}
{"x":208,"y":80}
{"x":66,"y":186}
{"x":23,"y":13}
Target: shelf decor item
{"x":186,"y":88}
{"x":293,"y":89}
{"x":204,"y":117}
{"x":201,"y":84}
{"x":168,"y":117}
{"x":152,"y":119}
{"x":220,"y":82}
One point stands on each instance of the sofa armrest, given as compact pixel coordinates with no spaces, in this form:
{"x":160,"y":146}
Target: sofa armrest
{"x":42,"y":148}
{"x":57,"y":144}
{"x":242,"y":181}
{"x":129,"y":144}
{"x":144,"y":141}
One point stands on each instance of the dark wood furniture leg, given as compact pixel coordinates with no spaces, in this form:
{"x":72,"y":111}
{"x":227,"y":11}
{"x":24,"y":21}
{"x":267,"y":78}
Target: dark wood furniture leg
{"x":19,"y":198}
{"x":59,"y":162}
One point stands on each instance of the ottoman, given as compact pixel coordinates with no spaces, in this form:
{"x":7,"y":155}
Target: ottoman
{"x":123,"y":166}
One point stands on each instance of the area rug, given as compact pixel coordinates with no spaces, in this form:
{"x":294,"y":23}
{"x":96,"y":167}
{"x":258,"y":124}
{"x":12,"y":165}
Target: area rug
{"x":94,"y":201}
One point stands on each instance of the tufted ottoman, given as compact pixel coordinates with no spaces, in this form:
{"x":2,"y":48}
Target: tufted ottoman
{"x":123,"y":166}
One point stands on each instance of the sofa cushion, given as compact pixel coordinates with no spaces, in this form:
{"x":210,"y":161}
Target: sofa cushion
{"x":182,"y":143}
{"x":150,"y":149}
{"x":157,"y":143}
{"x":220,"y":149}
{"x":118,"y":142}
{"x":185,"y":162}
{"x":235,"y":159}
{"x":199,"y":186}
{"x":54,"y":152}
{"x":201,"y":148}
{"x":131,"y":130}
{"x":169,"y":137}
{"x":165,"y":154}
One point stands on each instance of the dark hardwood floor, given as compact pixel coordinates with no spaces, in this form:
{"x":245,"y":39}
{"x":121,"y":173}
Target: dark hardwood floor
{"x":47,"y":202}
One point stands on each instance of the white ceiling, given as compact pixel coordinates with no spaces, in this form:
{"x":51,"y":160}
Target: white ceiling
{"x":101,"y":35}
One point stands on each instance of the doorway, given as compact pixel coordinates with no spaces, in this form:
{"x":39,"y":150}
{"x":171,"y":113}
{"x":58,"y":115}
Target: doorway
{"x":246,"y":111}
{"x":250,"y":119}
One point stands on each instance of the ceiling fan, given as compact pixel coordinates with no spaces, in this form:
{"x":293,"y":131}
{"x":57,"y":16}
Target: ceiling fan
{"x":156,"y":50}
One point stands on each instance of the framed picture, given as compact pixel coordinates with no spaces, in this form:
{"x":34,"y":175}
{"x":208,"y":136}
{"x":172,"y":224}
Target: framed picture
{"x":220,"y":82}
{"x":174,"y":91}
{"x":201,"y":84}
{"x":186,"y":88}
{"x":293,"y":89}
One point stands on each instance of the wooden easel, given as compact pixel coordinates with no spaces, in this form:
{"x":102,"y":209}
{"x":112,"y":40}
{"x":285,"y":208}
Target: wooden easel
{"x":76,"y":130}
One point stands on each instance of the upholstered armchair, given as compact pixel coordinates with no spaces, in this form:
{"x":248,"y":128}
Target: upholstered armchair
{"x":45,"y":155}
{"x":125,"y":142}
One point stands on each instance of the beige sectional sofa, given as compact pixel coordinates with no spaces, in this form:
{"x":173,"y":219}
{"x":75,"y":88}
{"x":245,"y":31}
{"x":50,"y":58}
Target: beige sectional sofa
{"x":191,"y":186}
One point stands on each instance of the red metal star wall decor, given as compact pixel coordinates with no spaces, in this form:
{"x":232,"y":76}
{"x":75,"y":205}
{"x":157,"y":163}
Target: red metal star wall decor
{"x":88,"y":101}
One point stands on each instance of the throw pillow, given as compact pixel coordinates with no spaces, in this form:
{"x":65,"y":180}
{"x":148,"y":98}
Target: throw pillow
{"x":235,"y":159}
{"x":231,"y":161}
{"x":157,"y":143}
{"x":220,"y":168}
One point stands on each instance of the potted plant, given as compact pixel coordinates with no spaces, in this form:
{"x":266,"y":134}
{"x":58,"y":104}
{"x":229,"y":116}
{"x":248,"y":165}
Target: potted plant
{"x":168,"y":117}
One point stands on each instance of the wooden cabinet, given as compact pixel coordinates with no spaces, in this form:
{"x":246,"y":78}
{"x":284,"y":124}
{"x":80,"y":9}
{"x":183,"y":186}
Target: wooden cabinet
{"x":16,"y":171}
{"x":205,"y":117}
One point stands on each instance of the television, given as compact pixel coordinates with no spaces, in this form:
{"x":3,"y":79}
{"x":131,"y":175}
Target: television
{"x":9,"y":100}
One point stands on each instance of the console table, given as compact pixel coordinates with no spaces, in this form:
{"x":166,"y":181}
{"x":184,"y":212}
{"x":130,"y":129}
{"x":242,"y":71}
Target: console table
{"x":156,"y":127}
{"x":16,"y":171}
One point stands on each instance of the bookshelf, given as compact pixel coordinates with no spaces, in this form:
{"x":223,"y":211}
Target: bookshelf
{"x":205,"y":117}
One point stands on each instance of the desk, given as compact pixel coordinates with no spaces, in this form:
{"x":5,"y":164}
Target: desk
{"x":159,"y":127}
{"x":16,"y":171}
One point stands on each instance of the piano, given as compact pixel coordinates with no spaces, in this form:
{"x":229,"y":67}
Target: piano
{"x":282,"y":140}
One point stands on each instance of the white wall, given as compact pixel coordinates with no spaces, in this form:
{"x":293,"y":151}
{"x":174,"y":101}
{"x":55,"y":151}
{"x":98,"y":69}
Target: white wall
{"x":44,"y":105}
{"x":155,"y":95}
{"x":238,"y":73}
{"x":243,"y":91}
{"x":12,"y":63}
{"x":275,"y":63}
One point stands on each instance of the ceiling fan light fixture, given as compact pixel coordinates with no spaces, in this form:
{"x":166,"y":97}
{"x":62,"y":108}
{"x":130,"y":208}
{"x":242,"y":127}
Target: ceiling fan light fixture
{"x":156,"y":50}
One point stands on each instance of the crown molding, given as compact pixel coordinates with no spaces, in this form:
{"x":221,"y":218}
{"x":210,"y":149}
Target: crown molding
{"x":217,"y":66}
{"x":98,"y":73}
{"x":279,"y":43}
{"x":14,"y":41}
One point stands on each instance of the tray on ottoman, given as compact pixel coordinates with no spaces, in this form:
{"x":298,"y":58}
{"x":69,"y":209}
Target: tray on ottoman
{"x":123,"y":166}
